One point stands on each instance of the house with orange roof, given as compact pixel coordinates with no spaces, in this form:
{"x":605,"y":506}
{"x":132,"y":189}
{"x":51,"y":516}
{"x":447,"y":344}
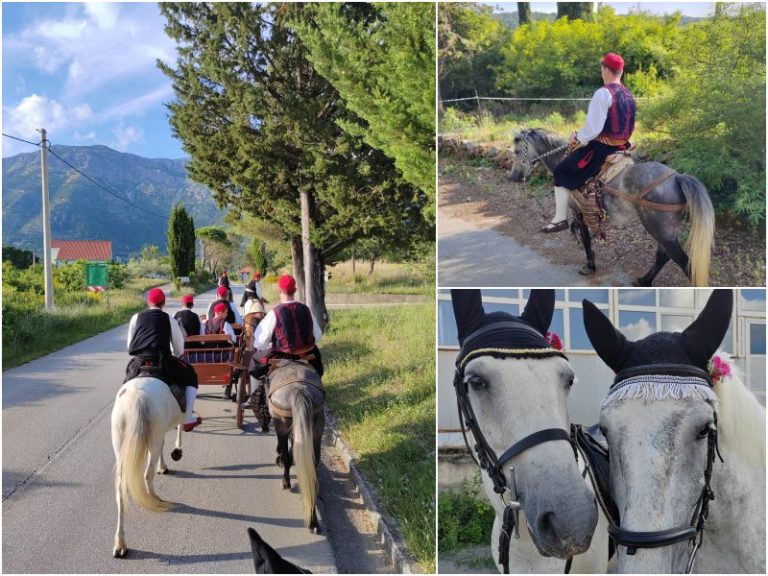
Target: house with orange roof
{"x":65,"y":251}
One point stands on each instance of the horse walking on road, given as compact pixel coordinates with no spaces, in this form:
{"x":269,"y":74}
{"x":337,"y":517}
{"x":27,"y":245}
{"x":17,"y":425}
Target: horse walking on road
{"x":651,"y":191}
{"x":144,"y":411}
{"x":296,"y":398}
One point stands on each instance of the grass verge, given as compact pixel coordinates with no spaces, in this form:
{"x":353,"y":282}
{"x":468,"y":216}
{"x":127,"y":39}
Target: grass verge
{"x":386,"y":278}
{"x":31,"y":334}
{"x":380,"y":378}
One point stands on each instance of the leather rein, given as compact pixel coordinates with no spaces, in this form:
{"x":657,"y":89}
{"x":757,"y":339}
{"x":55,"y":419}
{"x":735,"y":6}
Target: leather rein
{"x":694,"y":530}
{"x":483,"y":454}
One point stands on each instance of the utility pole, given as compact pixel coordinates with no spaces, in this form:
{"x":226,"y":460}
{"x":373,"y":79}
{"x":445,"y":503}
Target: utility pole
{"x":46,"y":224}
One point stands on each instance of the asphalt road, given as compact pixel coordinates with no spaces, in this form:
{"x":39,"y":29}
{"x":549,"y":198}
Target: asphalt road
{"x":59,"y":511}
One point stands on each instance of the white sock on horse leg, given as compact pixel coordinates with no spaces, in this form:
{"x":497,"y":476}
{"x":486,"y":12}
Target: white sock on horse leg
{"x":561,"y":204}
{"x":190,"y":394}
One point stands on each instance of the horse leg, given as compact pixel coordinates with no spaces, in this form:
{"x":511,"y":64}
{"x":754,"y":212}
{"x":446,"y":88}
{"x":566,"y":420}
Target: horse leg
{"x":120,"y":549}
{"x":318,"y":425}
{"x":586,"y":241}
{"x":176,"y":452}
{"x":661,"y":259}
{"x":283,"y":452}
{"x":678,"y":256}
{"x":155,"y":461}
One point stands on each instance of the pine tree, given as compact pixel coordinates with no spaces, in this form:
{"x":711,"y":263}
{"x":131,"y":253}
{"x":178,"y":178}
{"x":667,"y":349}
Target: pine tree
{"x":262,"y":128}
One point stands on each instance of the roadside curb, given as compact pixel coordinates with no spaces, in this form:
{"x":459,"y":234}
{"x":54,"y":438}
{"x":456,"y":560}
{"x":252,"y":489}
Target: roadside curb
{"x":386,"y":528}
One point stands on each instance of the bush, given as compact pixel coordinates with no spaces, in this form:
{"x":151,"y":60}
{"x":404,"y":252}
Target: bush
{"x":464,"y":519}
{"x":712,"y":117}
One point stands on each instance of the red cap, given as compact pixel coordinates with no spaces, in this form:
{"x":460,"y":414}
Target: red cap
{"x":257,"y":275}
{"x":220,"y":307}
{"x":286,"y":284}
{"x":613,"y":61}
{"x":187,"y":299}
{"x":222,"y":291}
{"x":156,"y":297}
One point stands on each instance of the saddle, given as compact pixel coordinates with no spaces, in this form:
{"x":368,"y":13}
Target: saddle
{"x":285,"y":371}
{"x":593,"y":447}
{"x":589,"y":197}
{"x":148,"y":370}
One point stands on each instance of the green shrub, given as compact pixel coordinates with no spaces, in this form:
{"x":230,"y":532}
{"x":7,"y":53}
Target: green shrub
{"x":464,"y":518}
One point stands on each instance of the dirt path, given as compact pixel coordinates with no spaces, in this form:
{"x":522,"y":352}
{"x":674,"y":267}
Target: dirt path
{"x":481,"y":198}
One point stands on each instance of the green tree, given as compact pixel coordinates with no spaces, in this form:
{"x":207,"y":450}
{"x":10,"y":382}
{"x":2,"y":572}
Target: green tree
{"x":262,"y":128}
{"x":21,"y":259}
{"x":381,"y":59}
{"x":181,"y":242}
{"x":217,"y":247}
{"x":574,"y":10}
{"x":711,"y":119}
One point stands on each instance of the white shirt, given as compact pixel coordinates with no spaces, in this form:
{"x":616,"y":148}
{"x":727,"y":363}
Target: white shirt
{"x":177,"y":338}
{"x":227,"y":330}
{"x":238,"y":317}
{"x":262,"y":338}
{"x":596,"y":115}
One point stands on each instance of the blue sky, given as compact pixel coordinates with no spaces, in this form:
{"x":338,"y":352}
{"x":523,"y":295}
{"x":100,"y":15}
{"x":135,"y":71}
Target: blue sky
{"x":86,"y":72}
{"x":687,"y":8}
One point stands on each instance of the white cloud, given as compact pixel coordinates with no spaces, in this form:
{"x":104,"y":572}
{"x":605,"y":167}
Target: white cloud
{"x":637,"y":330}
{"x":125,"y":136}
{"x":83,"y":137}
{"x":97,"y":44}
{"x":137,"y":105}
{"x":35,"y":112}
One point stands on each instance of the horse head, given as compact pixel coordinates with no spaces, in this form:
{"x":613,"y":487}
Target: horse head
{"x":531,"y":146}
{"x":512,"y":388}
{"x":660,"y":421}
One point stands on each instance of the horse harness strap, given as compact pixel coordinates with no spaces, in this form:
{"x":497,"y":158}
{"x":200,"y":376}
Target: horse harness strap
{"x":640,"y":198}
{"x":299,"y":378}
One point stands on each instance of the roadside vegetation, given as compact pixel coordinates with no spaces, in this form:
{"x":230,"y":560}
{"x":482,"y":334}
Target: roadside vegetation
{"x":380,"y":378}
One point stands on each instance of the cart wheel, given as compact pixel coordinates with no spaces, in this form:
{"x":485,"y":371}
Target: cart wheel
{"x":240,"y":398}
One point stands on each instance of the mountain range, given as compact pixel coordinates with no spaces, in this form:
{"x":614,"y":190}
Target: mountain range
{"x":83,"y":210}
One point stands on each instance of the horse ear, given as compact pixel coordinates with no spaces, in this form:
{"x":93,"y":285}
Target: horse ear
{"x":609,"y":343}
{"x":539,"y":309}
{"x":468,"y":311}
{"x":701,"y":339}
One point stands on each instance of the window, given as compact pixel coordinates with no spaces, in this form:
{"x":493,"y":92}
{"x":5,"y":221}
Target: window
{"x":447,"y":335}
{"x":683,"y":298}
{"x":637,"y":297}
{"x":674,"y":322}
{"x":500,"y":307}
{"x":757,"y":338}
{"x":752,"y":300}
{"x":594,"y":296}
{"x":637,"y":325}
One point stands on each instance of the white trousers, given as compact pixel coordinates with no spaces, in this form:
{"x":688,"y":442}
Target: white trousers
{"x":561,"y":204}
{"x":190,"y":394}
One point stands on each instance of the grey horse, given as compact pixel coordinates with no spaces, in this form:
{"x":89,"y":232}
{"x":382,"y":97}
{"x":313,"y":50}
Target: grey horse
{"x":664,"y":225}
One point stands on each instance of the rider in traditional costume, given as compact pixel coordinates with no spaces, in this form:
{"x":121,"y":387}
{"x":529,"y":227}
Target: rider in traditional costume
{"x":607,"y":129}
{"x":218,"y":324}
{"x":233,"y":314}
{"x":188,"y":320}
{"x":151,"y":334}
{"x":252,"y":291}
{"x":287,"y":331}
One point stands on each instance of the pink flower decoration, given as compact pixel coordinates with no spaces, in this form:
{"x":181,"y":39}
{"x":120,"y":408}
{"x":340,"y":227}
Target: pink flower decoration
{"x":554,"y":341}
{"x":719,"y":368}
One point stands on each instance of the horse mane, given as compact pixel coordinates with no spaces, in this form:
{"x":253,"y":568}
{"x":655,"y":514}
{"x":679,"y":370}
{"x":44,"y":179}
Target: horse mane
{"x":545,"y":138}
{"x":741,"y":421}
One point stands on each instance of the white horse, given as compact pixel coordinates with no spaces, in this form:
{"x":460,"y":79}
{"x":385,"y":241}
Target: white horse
{"x":663,"y":424}
{"x":513,"y":397}
{"x":144,"y":411}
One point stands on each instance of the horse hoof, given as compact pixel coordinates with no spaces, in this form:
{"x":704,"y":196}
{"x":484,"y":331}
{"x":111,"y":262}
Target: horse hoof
{"x":176,"y":454}
{"x":640,"y":282}
{"x":279,"y":461}
{"x":120,"y":552}
{"x":587,"y":270}
{"x":286,"y":485}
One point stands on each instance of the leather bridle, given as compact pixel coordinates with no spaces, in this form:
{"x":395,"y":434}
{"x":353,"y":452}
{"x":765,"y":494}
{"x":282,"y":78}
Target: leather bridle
{"x":532,"y":163}
{"x":694,"y":530}
{"x":486,"y":457}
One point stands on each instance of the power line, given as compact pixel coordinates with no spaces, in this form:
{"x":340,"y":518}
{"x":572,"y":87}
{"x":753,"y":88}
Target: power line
{"x":84,"y":175}
{"x":20,"y":139}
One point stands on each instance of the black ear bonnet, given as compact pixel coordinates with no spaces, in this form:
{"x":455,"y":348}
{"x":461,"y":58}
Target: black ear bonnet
{"x":500,"y":334}
{"x":683,"y":353}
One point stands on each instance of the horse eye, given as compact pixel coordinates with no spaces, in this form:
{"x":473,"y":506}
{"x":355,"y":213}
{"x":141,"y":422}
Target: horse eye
{"x":704,"y":432}
{"x":476,"y":382}
{"x":517,"y":139}
{"x":570,"y":381}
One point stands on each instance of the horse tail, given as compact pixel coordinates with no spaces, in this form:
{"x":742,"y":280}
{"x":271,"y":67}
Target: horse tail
{"x":701,"y":238}
{"x":134,"y":450}
{"x":304,"y":451}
